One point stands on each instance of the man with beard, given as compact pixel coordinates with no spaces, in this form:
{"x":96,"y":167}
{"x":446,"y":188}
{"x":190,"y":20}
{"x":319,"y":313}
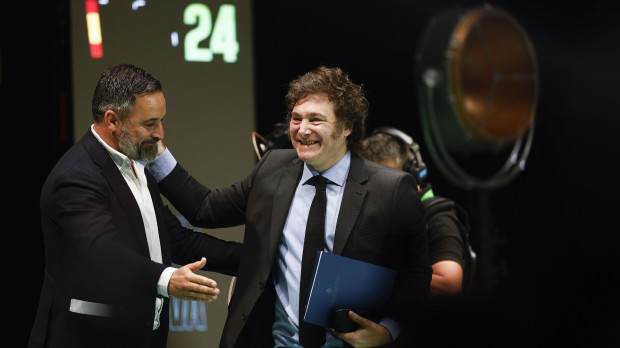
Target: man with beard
{"x":109,"y":240}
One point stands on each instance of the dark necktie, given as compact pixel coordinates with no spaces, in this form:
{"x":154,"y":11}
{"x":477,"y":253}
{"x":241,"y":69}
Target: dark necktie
{"x":312,"y":335}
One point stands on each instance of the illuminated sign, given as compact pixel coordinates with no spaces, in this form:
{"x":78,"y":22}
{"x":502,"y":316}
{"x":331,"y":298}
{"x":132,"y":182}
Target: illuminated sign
{"x":220,"y":34}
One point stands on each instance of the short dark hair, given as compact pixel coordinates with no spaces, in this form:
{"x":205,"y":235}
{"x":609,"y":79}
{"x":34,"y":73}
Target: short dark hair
{"x":350,"y":104}
{"x":381,"y":146}
{"x":118,"y":88}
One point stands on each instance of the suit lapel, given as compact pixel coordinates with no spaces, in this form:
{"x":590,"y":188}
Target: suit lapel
{"x":352,"y":201}
{"x":285,"y":190}
{"x":117,"y":184}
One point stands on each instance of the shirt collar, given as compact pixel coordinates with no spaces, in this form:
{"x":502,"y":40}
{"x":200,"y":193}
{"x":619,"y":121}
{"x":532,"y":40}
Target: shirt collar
{"x":336,"y":174}
{"x":118,"y":158}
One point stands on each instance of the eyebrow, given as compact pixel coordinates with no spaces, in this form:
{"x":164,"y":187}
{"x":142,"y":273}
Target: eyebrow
{"x":154,"y":119}
{"x":313,"y":114}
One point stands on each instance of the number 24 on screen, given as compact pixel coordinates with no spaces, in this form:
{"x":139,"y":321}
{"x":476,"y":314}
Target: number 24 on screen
{"x":222,"y":33}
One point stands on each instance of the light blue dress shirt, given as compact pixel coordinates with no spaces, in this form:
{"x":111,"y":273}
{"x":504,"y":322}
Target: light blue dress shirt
{"x":290,"y":249}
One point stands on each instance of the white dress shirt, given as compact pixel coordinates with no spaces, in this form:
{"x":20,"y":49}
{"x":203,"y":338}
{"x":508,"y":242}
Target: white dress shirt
{"x":139,"y":188}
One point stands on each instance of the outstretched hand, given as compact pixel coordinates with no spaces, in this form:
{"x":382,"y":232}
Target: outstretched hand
{"x":368,"y":334}
{"x":185,"y":284}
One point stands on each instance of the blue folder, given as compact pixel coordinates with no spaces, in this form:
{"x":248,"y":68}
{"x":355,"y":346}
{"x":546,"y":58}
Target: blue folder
{"x":342,"y":282}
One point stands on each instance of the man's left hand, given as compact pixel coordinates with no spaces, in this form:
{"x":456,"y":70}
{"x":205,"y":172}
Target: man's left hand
{"x":368,"y":334}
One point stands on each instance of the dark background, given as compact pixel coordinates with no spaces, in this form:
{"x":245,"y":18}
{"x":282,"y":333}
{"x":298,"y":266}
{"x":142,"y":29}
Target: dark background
{"x":548,"y":271}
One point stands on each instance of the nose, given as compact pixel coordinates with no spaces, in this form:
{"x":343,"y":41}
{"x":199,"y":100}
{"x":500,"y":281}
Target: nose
{"x":304,"y":128}
{"x":159,"y":131}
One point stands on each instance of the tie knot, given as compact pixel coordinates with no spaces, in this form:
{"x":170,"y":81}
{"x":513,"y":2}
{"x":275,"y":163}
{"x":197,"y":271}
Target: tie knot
{"x":319,"y":182}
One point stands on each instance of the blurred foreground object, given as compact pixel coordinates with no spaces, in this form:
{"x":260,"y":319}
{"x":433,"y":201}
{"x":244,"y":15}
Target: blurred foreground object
{"x":478,"y":87}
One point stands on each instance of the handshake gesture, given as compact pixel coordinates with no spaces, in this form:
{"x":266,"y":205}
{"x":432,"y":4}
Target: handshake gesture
{"x":185,"y":284}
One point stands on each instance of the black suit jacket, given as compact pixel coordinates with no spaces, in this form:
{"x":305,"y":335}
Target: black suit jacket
{"x":381,"y":221}
{"x":96,"y":251}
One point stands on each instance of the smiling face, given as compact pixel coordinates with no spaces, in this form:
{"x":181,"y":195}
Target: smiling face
{"x":314,"y":132}
{"x":142,"y":128}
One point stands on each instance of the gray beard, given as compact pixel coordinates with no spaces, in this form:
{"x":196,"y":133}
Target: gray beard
{"x":132,"y":150}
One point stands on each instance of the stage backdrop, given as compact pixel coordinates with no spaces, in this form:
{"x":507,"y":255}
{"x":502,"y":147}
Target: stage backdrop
{"x":202,"y":53}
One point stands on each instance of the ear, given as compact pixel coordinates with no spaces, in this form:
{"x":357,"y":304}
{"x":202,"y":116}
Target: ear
{"x":112,"y":121}
{"x":347,"y":132}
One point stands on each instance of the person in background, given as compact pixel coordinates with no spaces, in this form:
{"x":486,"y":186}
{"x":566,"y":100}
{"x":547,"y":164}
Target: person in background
{"x":109,"y":240}
{"x":394,"y":148}
{"x":372,"y":214}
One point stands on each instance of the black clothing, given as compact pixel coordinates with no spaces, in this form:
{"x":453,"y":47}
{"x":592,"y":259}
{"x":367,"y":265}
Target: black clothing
{"x":444,"y":238}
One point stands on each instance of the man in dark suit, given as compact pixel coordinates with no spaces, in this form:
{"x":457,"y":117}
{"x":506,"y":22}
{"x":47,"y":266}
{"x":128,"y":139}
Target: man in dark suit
{"x":373,"y":214}
{"x":109,"y":239}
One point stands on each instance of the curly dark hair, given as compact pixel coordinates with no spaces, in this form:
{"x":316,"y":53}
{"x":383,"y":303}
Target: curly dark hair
{"x":350,"y":104}
{"x":118,"y":88}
